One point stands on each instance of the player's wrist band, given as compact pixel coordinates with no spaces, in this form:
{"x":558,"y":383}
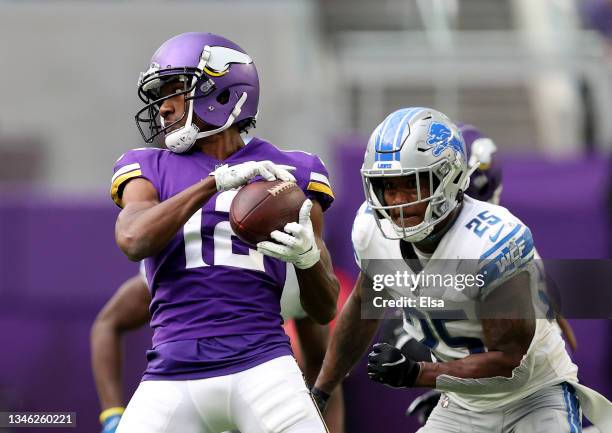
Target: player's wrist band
{"x":411,"y":375}
{"x":107,"y":413}
{"x":320,"y":398}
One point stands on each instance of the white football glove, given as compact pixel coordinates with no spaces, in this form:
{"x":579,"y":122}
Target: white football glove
{"x":227,"y":177}
{"x":296,"y":244}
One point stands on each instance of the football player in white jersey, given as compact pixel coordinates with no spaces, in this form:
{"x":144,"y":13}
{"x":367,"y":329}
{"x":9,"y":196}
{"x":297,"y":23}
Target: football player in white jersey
{"x":508,"y":372}
{"x":128,"y":309}
{"x":485,"y":185}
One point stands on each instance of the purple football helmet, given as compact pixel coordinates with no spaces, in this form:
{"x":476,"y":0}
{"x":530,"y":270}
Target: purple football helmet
{"x":220,"y":85}
{"x":486,"y":180}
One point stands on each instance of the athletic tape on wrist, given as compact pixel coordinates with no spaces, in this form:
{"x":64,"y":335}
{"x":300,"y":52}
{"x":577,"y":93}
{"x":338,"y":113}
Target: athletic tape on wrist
{"x":107,"y":413}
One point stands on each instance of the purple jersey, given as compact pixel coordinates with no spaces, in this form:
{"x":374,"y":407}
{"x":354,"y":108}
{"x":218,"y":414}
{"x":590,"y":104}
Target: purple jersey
{"x":215,"y":302}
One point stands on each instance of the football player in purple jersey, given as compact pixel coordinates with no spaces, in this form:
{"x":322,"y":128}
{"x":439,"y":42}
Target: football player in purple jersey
{"x":220,"y":359}
{"x":128,"y":309}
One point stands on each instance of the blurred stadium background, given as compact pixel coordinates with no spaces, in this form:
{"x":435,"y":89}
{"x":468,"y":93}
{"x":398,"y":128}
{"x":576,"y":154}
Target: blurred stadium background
{"x":536,"y":76}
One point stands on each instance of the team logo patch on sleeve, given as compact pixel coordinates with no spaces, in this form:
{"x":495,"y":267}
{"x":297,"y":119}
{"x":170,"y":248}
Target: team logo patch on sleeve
{"x":507,"y":257}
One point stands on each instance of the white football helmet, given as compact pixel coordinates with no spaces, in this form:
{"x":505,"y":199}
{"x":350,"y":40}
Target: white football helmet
{"x":412,"y":142}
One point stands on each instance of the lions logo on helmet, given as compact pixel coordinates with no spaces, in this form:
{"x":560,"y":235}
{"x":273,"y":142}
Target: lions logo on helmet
{"x":423,"y":143}
{"x":441,"y":137}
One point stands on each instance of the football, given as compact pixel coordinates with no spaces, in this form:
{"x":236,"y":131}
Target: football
{"x":261,"y":207}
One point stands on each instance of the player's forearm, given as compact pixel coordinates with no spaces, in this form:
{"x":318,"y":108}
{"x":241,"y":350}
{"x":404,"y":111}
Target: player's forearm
{"x":106,"y":365}
{"x":313,"y":339}
{"x":334,"y":413}
{"x":319,"y":289}
{"x":349,"y":341}
{"x":145,"y":232}
{"x":477,"y":366}
{"x":507,"y":339}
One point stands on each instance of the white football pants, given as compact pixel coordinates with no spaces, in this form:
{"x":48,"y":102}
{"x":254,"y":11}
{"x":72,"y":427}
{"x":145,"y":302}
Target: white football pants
{"x":269,"y":398}
{"x":553,"y":409}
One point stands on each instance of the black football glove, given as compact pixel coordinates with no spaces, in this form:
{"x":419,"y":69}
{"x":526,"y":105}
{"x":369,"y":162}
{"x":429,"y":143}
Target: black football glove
{"x":422,"y":406}
{"x":320,"y":398}
{"x":388,"y":365}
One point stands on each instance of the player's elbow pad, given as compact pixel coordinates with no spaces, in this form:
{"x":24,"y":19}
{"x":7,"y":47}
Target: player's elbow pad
{"x":488,"y":385}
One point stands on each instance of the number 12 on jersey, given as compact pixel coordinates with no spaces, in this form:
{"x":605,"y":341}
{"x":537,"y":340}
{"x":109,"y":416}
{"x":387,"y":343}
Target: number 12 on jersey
{"x":222,"y":236}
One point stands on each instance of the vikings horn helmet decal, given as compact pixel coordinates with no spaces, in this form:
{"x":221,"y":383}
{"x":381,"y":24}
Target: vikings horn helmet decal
{"x":425,"y":144}
{"x":486,"y":181}
{"x":220,"y":84}
{"x":221,"y":58}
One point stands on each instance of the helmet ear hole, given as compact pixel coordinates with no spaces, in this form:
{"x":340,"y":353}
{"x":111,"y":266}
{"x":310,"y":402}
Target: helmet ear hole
{"x":223,"y":97}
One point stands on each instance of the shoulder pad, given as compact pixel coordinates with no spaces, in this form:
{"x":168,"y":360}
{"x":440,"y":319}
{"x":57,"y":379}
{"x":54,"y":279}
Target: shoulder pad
{"x":364,"y":227}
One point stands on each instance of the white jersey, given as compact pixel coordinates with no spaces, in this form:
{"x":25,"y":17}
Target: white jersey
{"x":483,"y":235}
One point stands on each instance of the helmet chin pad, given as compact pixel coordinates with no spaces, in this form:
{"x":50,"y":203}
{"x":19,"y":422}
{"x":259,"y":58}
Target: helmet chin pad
{"x":418,"y":236}
{"x":182,"y":139}
{"x":418,"y":232}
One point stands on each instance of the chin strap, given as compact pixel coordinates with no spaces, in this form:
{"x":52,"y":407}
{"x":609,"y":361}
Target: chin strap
{"x":434,"y":237}
{"x":230,"y":120}
{"x":182,"y":140}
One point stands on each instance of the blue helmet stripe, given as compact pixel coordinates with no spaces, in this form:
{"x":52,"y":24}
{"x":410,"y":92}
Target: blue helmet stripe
{"x":381,"y":131}
{"x":414,"y":112}
{"x":381,"y":143}
{"x":397,"y":140}
{"x":390,"y":132}
{"x":399,"y":132}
